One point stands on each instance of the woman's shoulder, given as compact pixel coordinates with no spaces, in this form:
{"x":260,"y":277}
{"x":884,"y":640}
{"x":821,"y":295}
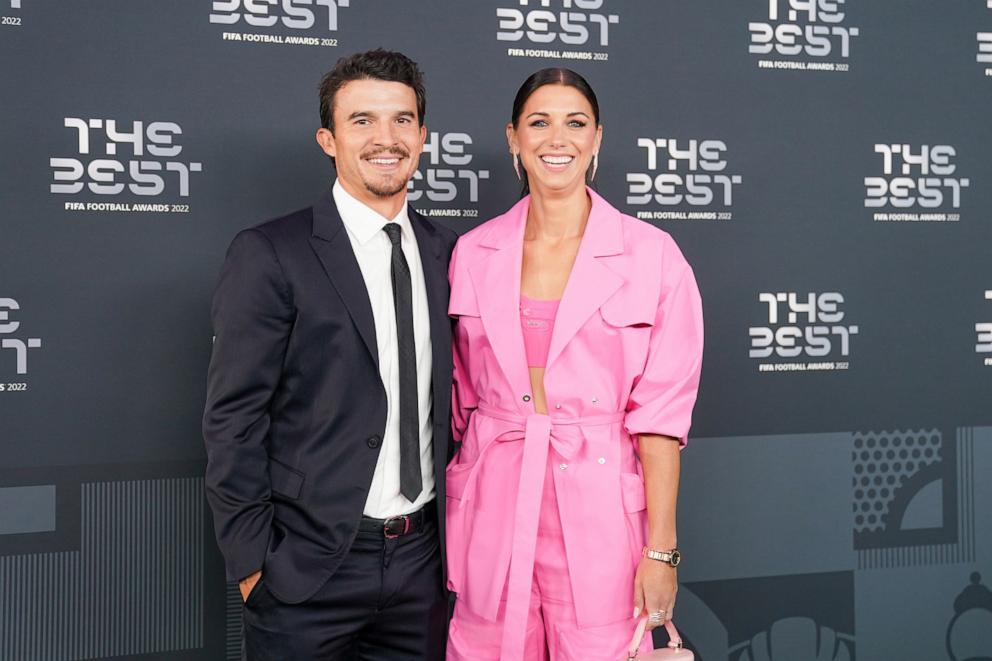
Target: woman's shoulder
{"x":636,"y":232}
{"x":642,"y":231}
{"x":644,"y":241}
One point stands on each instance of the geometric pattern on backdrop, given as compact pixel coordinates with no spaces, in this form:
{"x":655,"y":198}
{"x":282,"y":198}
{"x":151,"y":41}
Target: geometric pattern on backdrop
{"x":133,"y":585}
{"x":913,"y":497}
{"x":233,"y":610}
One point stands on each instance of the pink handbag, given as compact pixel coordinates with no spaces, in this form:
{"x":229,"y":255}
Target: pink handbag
{"x":674,"y":651}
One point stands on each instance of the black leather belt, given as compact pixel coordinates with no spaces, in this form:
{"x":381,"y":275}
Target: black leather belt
{"x":398,"y":526}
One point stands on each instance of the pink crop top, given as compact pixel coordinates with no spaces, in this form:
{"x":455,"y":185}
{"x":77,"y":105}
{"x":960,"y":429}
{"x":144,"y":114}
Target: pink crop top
{"x":537,"y":318}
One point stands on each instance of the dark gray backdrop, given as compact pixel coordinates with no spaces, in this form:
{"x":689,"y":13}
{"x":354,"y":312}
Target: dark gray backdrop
{"x":833,"y":505}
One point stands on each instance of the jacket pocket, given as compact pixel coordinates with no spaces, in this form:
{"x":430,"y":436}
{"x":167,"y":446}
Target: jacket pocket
{"x":458,"y":526}
{"x":625,"y":311}
{"x":285,"y":480}
{"x":455,"y":479}
{"x":632,"y":490}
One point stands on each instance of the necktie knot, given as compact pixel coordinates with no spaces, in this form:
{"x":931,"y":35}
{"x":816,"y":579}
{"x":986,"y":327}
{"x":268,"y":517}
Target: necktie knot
{"x":394,"y":231}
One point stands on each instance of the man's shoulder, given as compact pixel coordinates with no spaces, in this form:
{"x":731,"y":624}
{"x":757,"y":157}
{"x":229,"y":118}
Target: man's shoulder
{"x":291,"y":227}
{"x":279,"y":238}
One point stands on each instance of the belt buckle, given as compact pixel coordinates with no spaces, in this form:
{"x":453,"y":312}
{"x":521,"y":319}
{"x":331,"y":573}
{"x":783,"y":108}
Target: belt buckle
{"x":386,"y":526}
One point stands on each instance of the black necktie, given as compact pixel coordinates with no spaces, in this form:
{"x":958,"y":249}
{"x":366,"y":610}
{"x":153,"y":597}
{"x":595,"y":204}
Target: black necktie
{"x":411,"y":481}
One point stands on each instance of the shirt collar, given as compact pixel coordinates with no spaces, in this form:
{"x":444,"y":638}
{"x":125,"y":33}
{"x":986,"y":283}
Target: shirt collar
{"x":362,"y":222}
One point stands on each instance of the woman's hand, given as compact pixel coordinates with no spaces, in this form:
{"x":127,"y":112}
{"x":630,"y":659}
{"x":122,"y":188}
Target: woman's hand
{"x":655,"y":585}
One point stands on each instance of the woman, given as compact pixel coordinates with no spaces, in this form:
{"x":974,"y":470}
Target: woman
{"x":578,"y":345}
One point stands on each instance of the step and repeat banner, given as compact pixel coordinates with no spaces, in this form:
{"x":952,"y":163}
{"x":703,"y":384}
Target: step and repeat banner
{"x":824,"y":165}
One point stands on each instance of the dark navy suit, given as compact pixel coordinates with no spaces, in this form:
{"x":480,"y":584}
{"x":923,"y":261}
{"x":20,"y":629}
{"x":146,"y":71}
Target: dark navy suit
{"x":294,"y":419}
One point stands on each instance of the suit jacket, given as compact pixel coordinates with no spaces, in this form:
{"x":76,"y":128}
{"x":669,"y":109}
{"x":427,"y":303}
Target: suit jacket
{"x":296,"y":409}
{"x":625,"y":357}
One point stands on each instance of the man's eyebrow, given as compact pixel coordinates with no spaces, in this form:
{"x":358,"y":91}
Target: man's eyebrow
{"x":369,"y":114}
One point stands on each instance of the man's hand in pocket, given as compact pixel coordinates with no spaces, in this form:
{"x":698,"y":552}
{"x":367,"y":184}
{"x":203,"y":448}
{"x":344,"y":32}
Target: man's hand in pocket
{"x":247,"y":584}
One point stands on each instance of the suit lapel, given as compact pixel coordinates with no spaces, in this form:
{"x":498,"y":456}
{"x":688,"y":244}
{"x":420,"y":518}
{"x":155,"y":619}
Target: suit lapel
{"x":434,"y":262}
{"x":330,"y":242}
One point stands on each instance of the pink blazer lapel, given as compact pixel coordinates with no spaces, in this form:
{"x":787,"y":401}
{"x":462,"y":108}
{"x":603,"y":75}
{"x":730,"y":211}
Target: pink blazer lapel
{"x":496,"y":279}
{"x":591,"y":281}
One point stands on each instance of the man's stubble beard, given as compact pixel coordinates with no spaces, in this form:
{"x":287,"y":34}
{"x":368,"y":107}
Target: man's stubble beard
{"x":386,"y":189}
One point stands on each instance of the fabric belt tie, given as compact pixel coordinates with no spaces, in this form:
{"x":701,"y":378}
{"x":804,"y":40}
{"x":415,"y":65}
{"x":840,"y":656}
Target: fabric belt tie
{"x":538,"y":432}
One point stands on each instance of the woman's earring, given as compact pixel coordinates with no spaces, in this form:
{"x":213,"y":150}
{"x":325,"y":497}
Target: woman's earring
{"x":595,"y":165}
{"x":516,"y":166}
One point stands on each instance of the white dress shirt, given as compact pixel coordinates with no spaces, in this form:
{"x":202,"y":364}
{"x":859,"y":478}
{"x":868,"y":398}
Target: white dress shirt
{"x":374,"y":253}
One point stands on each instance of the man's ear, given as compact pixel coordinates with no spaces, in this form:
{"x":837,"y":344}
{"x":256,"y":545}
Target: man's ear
{"x":325,"y":138}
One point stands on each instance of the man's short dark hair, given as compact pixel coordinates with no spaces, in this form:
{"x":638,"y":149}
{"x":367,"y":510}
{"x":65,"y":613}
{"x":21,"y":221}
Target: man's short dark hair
{"x":378,"y":64}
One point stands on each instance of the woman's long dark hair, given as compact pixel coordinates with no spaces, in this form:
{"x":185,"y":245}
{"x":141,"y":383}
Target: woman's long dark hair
{"x":550,"y":76}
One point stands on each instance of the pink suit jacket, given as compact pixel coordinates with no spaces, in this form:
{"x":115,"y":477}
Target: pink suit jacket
{"x":625,"y":357}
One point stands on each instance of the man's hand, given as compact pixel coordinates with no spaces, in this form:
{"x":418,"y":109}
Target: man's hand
{"x":247,"y":583}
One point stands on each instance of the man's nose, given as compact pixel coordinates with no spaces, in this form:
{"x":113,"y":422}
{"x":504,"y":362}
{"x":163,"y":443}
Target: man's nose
{"x":385,"y":134}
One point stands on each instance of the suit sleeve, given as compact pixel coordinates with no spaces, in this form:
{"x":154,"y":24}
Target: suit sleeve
{"x":663,"y":395}
{"x":252,"y":319}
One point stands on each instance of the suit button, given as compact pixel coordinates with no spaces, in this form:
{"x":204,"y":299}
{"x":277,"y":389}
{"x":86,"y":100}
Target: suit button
{"x":373,"y":441}
{"x":526,"y":398}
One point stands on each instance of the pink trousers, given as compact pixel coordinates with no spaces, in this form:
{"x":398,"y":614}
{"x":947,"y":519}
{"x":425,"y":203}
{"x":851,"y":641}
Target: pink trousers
{"x":552,"y":632}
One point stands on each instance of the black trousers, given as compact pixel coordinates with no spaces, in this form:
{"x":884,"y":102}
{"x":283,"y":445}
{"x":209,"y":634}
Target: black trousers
{"x":384,"y":603}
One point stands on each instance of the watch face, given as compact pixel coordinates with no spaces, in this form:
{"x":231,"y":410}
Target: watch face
{"x":676,"y":558}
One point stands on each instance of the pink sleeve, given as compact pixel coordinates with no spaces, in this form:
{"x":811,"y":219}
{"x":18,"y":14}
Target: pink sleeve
{"x":663,"y":396}
{"x":463,"y":397}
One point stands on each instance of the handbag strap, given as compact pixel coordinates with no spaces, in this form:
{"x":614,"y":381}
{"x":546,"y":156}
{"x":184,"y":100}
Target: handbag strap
{"x":674,"y":639}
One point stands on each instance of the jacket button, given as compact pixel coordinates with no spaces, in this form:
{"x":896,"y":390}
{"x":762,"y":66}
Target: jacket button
{"x":601,"y":460}
{"x":557,"y":406}
{"x":373,"y":441}
{"x":563,"y":466}
{"x":526,"y":398}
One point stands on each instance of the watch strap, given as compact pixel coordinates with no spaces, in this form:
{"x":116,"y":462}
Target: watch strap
{"x":671,"y":557}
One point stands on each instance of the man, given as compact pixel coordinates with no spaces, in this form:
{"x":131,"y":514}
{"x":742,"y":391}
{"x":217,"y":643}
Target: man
{"x":328,"y":402}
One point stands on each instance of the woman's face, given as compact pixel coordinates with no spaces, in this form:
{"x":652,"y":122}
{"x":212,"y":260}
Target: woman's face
{"x":556,"y":137}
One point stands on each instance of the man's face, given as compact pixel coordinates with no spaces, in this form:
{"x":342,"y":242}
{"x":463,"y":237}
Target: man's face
{"x":377,"y":139}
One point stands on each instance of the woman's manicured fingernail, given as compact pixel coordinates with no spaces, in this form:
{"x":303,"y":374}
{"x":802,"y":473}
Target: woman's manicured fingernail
{"x":637,"y":611}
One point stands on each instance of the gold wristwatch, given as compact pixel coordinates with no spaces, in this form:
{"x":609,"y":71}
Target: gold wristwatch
{"x":672,"y":557}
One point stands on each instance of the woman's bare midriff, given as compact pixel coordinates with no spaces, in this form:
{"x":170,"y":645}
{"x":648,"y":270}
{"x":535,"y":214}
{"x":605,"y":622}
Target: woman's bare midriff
{"x":537,"y":388}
